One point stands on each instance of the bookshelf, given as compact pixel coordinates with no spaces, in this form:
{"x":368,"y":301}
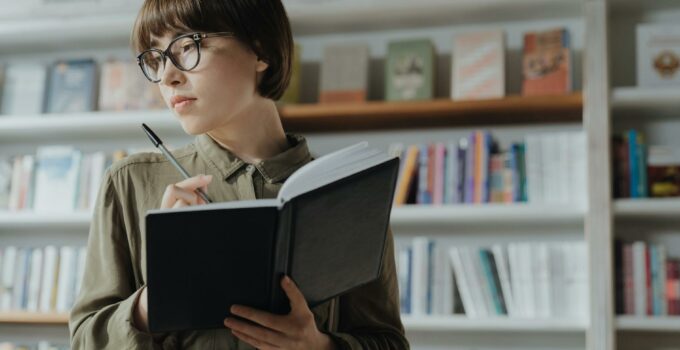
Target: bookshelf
{"x":648,"y":324}
{"x":56,"y":32}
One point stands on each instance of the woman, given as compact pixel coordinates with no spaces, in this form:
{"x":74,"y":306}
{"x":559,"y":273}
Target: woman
{"x":220,"y":65}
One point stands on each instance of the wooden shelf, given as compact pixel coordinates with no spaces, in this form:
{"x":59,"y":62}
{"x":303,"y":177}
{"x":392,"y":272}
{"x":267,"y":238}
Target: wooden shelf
{"x":654,"y":324}
{"x":33,"y":318}
{"x":435,"y":113}
{"x":651,"y":208}
{"x":311,"y":117}
{"x":498,"y":324}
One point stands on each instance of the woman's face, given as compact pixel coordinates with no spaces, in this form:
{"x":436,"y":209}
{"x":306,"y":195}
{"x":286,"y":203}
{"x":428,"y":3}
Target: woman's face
{"x":223,"y":84}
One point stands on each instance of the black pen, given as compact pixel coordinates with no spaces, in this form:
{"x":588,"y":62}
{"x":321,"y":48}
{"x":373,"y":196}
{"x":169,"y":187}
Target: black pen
{"x":159,"y":144}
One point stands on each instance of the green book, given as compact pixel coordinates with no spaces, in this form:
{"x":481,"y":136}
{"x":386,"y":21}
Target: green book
{"x":409,"y":70}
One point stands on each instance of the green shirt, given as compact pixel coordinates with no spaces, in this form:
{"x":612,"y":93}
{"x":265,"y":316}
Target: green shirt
{"x":115,"y":271}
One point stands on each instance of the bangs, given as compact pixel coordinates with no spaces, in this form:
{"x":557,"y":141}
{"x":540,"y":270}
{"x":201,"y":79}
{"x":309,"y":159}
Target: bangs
{"x":158,"y":17}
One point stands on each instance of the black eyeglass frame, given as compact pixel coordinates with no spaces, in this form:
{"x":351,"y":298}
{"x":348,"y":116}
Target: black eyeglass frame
{"x":165,"y":54}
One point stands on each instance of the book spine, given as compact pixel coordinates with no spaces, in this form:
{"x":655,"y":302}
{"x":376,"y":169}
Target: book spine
{"x":282,"y":255}
{"x":633,"y":163}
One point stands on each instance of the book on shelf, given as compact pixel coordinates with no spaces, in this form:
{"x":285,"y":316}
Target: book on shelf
{"x":56,"y":179}
{"x":647,"y":279}
{"x":5,"y":182}
{"x":292,"y":93}
{"x":353,"y":185}
{"x":123,"y":87}
{"x":478,"y":62}
{"x":537,"y":280}
{"x":23,"y":89}
{"x":344,"y":74}
{"x":658,"y":55}
{"x":72,"y":86}
{"x":547,"y":168}
{"x":410,"y":70}
{"x":40,"y":279}
{"x":547,"y":63}
{"x":663,"y":171}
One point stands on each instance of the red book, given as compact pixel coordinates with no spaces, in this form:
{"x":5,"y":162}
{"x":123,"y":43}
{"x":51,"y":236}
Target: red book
{"x":628,"y":280}
{"x":672,"y":281}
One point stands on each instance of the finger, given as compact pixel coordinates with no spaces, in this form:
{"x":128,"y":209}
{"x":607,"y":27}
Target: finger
{"x":200,"y":199}
{"x":267,"y":336}
{"x":266,"y":319}
{"x":195,"y":182}
{"x":297,"y":300}
{"x":253,"y":342}
{"x":180,"y":203}
{"x":173,"y":193}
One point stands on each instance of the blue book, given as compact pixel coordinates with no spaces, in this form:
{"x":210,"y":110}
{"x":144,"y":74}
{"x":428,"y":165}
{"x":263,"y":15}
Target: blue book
{"x":654,"y":271}
{"x":470,"y":169}
{"x":633,"y":163}
{"x":423,"y":159}
{"x":430,"y":277}
{"x":71,"y":87}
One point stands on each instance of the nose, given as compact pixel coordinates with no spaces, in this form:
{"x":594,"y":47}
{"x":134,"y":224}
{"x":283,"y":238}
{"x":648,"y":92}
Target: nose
{"x":172,"y":76}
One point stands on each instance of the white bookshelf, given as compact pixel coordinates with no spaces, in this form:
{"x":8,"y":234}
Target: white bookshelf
{"x":51,"y":33}
{"x":651,"y":208}
{"x":645,"y":98}
{"x":648,"y":324}
{"x":497,"y":324}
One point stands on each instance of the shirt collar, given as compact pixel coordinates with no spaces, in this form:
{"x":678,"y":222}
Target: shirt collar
{"x":274,"y":169}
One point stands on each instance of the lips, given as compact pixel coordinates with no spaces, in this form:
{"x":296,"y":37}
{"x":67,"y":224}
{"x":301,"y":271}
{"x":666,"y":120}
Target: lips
{"x":179,"y":99}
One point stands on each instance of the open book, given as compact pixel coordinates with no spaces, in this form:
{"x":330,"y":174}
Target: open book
{"x":326,"y":230}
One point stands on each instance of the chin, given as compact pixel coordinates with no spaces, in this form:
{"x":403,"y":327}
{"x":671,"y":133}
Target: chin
{"x":191,"y":125}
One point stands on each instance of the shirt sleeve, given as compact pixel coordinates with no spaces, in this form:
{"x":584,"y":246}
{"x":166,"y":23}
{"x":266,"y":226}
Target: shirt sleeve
{"x":369,"y":316}
{"x":102,"y":316}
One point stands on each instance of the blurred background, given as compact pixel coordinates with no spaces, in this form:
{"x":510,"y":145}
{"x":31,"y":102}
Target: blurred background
{"x":536,"y":206}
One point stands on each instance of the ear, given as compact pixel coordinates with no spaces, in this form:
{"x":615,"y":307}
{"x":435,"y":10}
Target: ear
{"x":261,"y":65}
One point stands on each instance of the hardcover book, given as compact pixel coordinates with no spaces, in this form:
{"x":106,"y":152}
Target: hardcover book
{"x":344,"y":74}
{"x":326,"y":229}
{"x":658,"y":55}
{"x":547,"y":63}
{"x":409,"y":70}
{"x":24,"y":89}
{"x":72,"y":87}
{"x":478,"y":66}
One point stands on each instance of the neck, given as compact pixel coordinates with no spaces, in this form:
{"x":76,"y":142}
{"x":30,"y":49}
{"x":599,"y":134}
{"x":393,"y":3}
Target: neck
{"x":254,"y":134}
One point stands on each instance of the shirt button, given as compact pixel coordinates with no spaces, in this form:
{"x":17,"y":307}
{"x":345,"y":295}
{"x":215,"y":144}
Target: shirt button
{"x":250,"y":168}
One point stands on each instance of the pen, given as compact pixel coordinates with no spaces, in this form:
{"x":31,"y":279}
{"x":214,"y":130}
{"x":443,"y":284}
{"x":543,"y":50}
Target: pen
{"x":159,"y":144}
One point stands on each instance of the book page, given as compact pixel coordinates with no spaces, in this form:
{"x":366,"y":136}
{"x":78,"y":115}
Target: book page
{"x":253,"y":203}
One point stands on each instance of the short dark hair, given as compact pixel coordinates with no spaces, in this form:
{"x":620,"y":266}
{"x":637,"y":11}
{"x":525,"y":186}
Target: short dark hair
{"x":262,"y":25}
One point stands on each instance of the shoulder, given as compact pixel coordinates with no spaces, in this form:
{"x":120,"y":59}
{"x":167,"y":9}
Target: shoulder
{"x":148,"y":162}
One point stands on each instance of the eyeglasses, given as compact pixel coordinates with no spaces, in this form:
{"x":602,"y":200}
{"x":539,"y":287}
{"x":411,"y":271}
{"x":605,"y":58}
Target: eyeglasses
{"x":184,"y":52}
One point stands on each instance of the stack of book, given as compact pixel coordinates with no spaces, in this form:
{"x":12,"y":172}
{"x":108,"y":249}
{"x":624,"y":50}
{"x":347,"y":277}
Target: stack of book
{"x":545,"y":169}
{"x":642,"y":171}
{"x":55,"y":179}
{"x":520,"y":280}
{"x":40,"y":279}
{"x":647,"y":280}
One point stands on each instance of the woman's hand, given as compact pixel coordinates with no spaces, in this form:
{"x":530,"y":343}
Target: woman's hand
{"x":297,"y":330}
{"x":183,"y":193}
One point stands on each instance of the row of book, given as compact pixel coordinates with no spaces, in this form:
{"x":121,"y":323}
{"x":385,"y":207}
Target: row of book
{"x":71,"y":86}
{"x":642,"y":171}
{"x":55,"y":179}
{"x":42,"y":345}
{"x":647,"y":279}
{"x":547,"y":168}
{"x":478,"y":67}
{"x":40,"y":279}
{"x":519,"y":280}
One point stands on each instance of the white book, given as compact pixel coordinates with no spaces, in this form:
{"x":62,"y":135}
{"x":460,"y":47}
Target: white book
{"x":640,"y":278}
{"x":15,"y":186}
{"x":562,"y":187}
{"x":21,"y":271}
{"x":658,"y":50}
{"x":80,"y":269}
{"x":578,"y":169}
{"x":34,"y":277}
{"x":527,"y":278}
{"x":442,"y":291}
{"x":344,"y":68}
{"x":463,"y":283}
{"x":6,"y":171}
{"x":533,"y":169}
{"x":541,"y":266}
{"x":403,"y":265}
{"x":83,"y":194}
{"x":472,"y":269}
{"x":558,"y":295}
{"x":516,"y":280}
{"x":419,"y":281}
{"x":7,"y":282}
{"x":501,"y":260}
{"x":472,"y":80}
{"x":56,"y":179}
{"x":549,"y":167}
{"x":24,"y":89}
{"x":96,"y":176}
{"x":66,"y":270}
{"x":582,"y":299}
{"x":50,"y":271}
